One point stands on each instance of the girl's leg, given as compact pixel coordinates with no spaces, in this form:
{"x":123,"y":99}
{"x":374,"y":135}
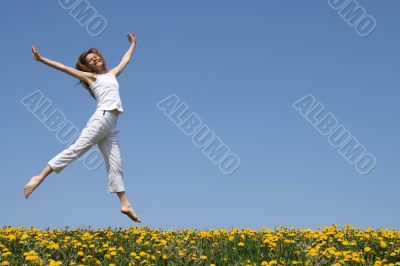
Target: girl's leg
{"x":126,"y":207}
{"x":109,"y":147}
{"x":36,"y":181}
{"x":96,"y":128}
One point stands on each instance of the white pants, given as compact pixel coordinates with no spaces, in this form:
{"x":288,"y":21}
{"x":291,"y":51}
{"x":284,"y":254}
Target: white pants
{"x":101,"y":130}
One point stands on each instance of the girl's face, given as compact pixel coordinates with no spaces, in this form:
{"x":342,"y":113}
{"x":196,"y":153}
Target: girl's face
{"x":94,"y":61}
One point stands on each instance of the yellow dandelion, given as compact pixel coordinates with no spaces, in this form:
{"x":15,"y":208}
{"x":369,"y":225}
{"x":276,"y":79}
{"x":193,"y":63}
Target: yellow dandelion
{"x":367,"y":249}
{"x":55,"y":263}
{"x":54,"y":246}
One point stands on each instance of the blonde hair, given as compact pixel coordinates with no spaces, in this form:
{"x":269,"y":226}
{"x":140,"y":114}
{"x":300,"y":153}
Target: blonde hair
{"x":82,"y":65}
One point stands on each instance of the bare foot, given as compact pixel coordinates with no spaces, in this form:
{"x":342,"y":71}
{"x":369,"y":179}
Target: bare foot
{"x":131,"y":214}
{"x":31,"y":185}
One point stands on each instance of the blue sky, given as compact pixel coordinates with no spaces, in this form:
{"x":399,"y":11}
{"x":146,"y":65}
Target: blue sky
{"x":239,"y":66}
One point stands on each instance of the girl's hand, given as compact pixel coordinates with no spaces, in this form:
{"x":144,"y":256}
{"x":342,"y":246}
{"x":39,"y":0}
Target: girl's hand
{"x":131,"y":37}
{"x":35,"y":53}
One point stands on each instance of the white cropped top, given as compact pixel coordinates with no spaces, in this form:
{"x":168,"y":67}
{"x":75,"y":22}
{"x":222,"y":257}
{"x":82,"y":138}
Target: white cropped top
{"x":106,"y":91}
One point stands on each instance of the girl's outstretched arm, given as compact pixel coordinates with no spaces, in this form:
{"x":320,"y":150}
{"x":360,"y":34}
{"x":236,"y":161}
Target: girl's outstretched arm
{"x":127,"y":56}
{"x":81,"y":75}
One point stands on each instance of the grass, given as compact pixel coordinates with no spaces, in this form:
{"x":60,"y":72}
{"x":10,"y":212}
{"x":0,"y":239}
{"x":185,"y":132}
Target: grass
{"x":146,"y":246}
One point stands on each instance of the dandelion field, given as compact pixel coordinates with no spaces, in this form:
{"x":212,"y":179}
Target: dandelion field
{"x":146,"y":246}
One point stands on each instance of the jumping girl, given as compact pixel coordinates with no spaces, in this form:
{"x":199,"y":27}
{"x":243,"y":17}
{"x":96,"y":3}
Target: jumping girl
{"x":101,"y":128}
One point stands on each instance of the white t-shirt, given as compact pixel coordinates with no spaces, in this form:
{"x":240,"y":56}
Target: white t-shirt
{"x":106,"y":91}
